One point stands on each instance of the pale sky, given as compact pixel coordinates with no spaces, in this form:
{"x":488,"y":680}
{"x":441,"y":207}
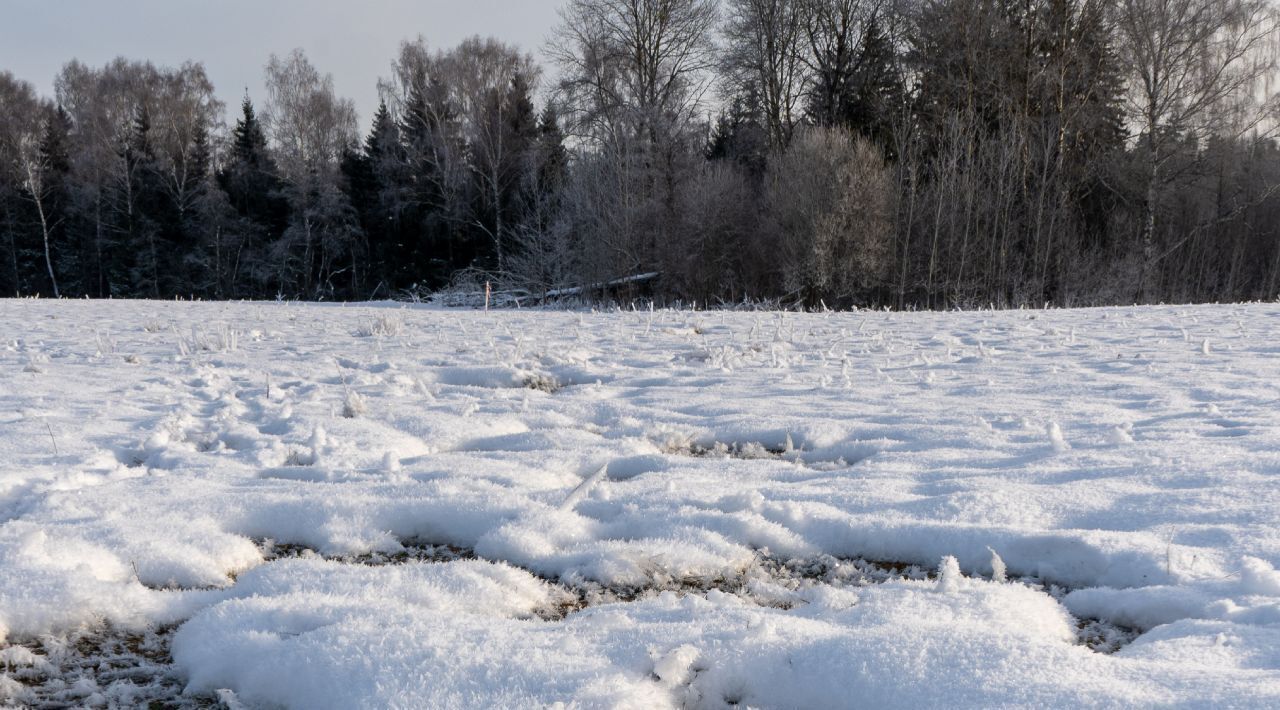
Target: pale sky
{"x":355,"y":40}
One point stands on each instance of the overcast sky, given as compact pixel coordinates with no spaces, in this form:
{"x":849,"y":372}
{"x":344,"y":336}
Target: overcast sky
{"x":355,"y":40}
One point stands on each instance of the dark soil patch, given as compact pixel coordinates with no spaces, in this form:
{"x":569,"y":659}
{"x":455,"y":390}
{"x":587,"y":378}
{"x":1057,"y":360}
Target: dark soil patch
{"x":104,"y":666}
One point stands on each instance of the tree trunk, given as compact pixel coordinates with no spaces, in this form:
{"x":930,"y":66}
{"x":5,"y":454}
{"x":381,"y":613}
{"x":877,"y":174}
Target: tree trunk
{"x":36,"y":188}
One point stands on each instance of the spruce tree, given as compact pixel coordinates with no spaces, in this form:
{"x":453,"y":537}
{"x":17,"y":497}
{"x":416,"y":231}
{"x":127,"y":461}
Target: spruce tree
{"x":374,"y":179}
{"x":519,"y":169}
{"x":553,"y":157}
{"x":874,"y":96}
{"x":248,"y":141}
{"x":148,"y":217}
{"x":433,"y":149}
{"x":740,"y":136}
{"x":253,"y":188}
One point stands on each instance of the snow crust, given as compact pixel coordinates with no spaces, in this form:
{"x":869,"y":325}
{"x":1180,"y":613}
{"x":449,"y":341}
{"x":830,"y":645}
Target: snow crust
{"x":152,"y":455}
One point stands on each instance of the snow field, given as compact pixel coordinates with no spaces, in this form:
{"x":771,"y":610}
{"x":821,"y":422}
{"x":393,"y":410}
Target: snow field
{"x":626,"y":498}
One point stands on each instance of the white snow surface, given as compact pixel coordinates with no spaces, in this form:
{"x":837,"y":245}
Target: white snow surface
{"x":151,"y":454}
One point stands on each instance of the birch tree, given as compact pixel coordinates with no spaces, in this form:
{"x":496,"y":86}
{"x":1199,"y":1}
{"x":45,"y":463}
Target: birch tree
{"x":1192,"y":64}
{"x":310,"y":128}
{"x":26,"y":121}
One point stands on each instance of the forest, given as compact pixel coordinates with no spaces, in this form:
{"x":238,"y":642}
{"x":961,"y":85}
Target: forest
{"x":834,"y":153}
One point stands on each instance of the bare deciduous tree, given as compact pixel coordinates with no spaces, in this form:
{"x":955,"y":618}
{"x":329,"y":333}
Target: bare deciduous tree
{"x":633,"y":78}
{"x":185,"y":111}
{"x":765,"y":45}
{"x":310,"y":127}
{"x":309,"y":124}
{"x":1191,"y":64}
{"x":640,"y":67}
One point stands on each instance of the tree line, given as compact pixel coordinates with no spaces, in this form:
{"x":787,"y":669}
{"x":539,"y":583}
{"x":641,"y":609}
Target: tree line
{"x":908,"y":153}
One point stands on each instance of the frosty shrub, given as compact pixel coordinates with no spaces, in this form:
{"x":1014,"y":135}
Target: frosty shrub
{"x":829,"y":200}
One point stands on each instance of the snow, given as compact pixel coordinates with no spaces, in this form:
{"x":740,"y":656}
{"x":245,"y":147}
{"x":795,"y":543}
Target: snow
{"x":317,"y":506}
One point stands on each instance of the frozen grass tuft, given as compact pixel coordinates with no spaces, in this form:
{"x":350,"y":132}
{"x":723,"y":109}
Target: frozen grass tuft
{"x":1056,"y":439}
{"x":96,"y":666}
{"x":107,"y":344}
{"x":216,"y":339}
{"x":949,"y":576}
{"x":353,"y":406}
{"x":300,"y":458}
{"x":381,"y":326}
{"x":999,"y":571}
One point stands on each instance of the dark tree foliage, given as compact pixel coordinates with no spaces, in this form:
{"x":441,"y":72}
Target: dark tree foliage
{"x":147,"y":219}
{"x":740,"y":136}
{"x":430,"y":129}
{"x":552,"y":156}
{"x":253,"y":190}
{"x":503,"y":171}
{"x":381,"y":188}
{"x":874,"y":97}
{"x":55,"y":156}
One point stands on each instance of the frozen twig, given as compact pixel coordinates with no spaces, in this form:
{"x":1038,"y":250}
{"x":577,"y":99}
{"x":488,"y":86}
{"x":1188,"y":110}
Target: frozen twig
{"x":583,"y":489}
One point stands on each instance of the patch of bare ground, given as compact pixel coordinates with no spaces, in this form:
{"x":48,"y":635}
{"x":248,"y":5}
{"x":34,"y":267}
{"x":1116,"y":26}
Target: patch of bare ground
{"x":106,"y":666}
{"x":98,"y":666}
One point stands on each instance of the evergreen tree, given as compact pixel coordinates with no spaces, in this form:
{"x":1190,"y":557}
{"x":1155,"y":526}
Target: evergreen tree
{"x":145,"y":217}
{"x":433,"y":153}
{"x":1081,"y":102}
{"x":545,"y":254}
{"x":875,"y":94}
{"x":200,"y":156}
{"x":553,"y":157}
{"x":376,"y":182}
{"x":253,"y":188}
{"x":248,"y":141}
{"x":739,"y":136}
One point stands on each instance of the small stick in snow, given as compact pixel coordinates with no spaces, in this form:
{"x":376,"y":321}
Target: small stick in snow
{"x":583,"y":489}
{"x":49,"y":428}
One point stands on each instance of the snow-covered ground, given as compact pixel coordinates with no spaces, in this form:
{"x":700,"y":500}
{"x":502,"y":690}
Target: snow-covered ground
{"x":309,"y":506}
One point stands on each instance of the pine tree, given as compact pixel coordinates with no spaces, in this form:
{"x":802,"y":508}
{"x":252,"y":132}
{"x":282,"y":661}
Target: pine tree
{"x":1082,"y":95}
{"x":517,"y":169}
{"x":200,"y":274}
{"x":214,"y":230}
{"x":200,"y":155}
{"x":545,"y":252}
{"x":834,"y":44}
